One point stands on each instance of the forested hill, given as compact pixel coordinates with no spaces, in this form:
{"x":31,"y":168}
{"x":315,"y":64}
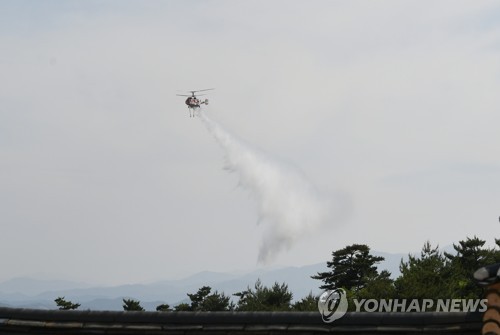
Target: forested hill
{"x":33,"y":293}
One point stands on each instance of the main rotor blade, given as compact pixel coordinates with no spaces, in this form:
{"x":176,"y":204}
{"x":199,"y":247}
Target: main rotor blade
{"x":184,"y":95}
{"x":206,"y":89}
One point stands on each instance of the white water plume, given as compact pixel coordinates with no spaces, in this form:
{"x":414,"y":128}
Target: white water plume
{"x":289,"y":205}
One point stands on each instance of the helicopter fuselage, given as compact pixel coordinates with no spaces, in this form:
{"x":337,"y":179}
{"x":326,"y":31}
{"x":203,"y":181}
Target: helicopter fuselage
{"x":193,"y":102}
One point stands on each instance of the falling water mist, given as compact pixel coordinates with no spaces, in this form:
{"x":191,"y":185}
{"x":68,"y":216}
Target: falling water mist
{"x":289,"y":205}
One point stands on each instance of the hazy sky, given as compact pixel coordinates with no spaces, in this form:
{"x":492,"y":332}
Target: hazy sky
{"x":391,"y":106}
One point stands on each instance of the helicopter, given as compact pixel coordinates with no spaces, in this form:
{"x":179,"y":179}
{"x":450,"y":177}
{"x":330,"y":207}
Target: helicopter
{"x":193,"y":102}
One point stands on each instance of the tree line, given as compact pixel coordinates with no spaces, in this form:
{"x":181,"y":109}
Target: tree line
{"x":431,"y":275}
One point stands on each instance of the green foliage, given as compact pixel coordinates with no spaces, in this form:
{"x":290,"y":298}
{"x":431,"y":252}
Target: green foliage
{"x":65,"y":305}
{"x":306,"y":304}
{"x":262,"y":298}
{"x":423,"y":278}
{"x":351,"y":268}
{"x":216,"y":302}
{"x":183,"y":307}
{"x":431,"y":275}
{"x":204,"y":301}
{"x":470,"y":255}
{"x":198,"y":297}
{"x":445,"y":276}
{"x":163,"y":308}
{"x":379,"y":286}
{"x":132,"y":305}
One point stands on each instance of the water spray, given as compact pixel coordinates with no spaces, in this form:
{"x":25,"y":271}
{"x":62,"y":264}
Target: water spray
{"x":289,"y":206}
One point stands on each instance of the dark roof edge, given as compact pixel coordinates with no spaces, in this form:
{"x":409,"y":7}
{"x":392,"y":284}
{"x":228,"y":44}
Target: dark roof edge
{"x":255,"y":318}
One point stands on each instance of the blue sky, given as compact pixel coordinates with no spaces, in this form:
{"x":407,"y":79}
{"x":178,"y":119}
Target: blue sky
{"x":105,"y":178}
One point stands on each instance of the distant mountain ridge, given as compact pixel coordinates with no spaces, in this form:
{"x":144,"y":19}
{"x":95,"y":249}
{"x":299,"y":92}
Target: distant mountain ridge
{"x":33,"y":293}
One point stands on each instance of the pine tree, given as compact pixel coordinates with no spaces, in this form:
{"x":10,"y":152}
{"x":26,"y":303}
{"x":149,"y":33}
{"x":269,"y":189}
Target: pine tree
{"x":424,"y":277}
{"x":65,"y":305}
{"x":351,"y":268}
{"x":132,"y":305}
{"x":307,"y":304}
{"x":262,"y":298}
{"x":470,"y":255}
{"x":204,"y":301}
{"x":163,"y":308}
